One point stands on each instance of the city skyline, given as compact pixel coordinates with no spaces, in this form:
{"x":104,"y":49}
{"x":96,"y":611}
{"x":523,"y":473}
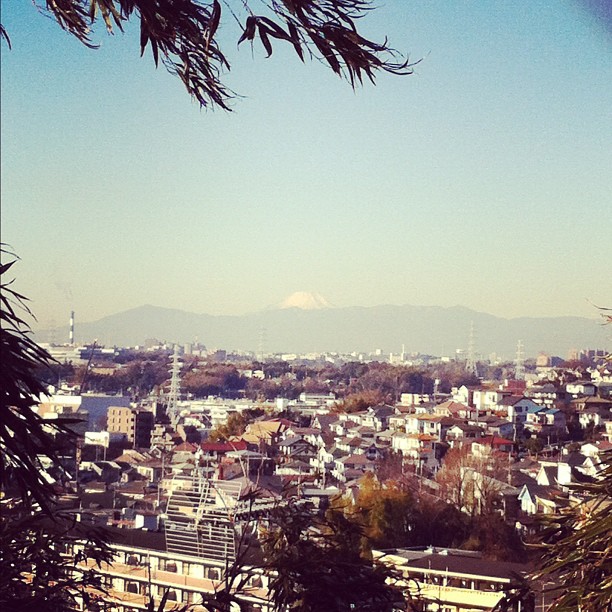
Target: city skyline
{"x":482,"y":180}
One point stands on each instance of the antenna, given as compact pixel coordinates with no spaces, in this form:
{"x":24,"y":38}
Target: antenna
{"x":470,"y":364}
{"x":519,"y":369}
{"x":172,"y":409}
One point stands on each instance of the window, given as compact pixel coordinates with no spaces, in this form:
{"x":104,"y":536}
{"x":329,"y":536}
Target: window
{"x":132,"y":587}
{"x":172,"y":595}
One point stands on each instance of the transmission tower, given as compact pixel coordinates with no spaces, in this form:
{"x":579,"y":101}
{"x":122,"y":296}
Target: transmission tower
{"x":519,"y":362}
{"x":262,"y":344}
{"x":470,"y":364}
{"x":172,"y":409}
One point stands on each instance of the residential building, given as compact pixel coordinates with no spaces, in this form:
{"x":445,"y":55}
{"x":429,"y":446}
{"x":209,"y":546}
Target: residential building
{"x":454,"y":580}
{"x":135,"y":423}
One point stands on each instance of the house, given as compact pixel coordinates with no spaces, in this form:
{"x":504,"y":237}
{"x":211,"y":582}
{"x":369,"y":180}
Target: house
{"x":540,"y":499}
{"x":427,"y":424}
{"x":343,"y":425}
{"x":594,"y":450}
{"x":294,"y":468}
{"x":595,"y":416}
{"x":580,"y":388}
{"x":377,"y":417}
{"x":607,"y":425}
{"x":584,"y":403}
{"x":397,"y":422}
{"x":517,"y":407}
{"x":464,"y":394}
{"x":297,"y":449}
{"x":554,"y":419}
{"x":544,"y":395}
{"x":413,"y":445}
{"x":324,"y":421}
{"x":533,"y":418}
{"x":213,"y":451}
{"x":453,"y":409}
{"x":488,"y":399}
{"x":461,"y":433}
{"x":349,"y":444}
{"x":347,"y":467}
{"x":265,"y":433}
{"x":482,"y":445}
{"x":496,"y":426}
{"x":325,"y":460}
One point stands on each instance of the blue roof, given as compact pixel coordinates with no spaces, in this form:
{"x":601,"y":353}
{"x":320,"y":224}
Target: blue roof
{"x":534,"y":409}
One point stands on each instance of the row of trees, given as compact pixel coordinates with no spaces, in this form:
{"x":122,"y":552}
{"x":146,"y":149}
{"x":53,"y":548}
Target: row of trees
{"x":142,"y":373}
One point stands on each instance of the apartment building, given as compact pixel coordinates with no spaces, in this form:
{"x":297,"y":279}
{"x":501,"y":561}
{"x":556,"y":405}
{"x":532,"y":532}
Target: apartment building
{"x":450,"y":580}
{"x":144,"y":572}
{"x":135,"y":424}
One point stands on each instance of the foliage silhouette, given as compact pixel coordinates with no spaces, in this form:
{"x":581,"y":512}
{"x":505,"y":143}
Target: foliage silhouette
{"x":183,"y":35}
{"x":34,"y":531}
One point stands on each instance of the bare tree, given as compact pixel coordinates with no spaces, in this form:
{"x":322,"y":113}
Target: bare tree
{"x":473,"y":482}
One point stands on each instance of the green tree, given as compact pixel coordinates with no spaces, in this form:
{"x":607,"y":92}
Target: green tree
{"x":183,"y":35}
{"x":235,"y":426}
{"x":534,"y":445}
{"x":390,"y":513}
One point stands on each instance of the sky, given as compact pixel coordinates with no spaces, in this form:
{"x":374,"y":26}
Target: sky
{"x":483,"y":180}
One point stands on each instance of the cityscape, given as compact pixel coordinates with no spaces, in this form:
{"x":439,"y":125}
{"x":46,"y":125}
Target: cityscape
{"x":305,"y":306}
{"x":186,"y":454}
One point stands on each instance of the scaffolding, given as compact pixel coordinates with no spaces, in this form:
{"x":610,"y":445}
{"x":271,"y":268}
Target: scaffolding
{"x":200,"y":517}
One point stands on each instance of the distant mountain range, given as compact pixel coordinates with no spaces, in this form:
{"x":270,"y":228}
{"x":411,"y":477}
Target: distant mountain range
{"x":316,"y":327}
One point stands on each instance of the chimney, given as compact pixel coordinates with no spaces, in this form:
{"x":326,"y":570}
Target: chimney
{"x":71,"y":336}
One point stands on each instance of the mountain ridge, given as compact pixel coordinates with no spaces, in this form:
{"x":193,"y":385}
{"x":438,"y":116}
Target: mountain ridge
{"x":435,"y":330}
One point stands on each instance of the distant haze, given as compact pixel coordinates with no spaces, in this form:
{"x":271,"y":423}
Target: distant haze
{"x":483,"y":179}
{"x":425,"y":329}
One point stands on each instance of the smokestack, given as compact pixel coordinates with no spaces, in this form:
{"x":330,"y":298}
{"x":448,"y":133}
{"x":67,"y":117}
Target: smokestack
{"x":71,"y":337}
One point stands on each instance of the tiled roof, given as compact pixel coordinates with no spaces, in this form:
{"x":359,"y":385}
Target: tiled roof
{"x":223,"y":447}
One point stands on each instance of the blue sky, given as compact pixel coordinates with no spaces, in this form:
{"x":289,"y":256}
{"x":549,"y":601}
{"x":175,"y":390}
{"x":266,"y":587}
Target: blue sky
{"x":483,"y":180}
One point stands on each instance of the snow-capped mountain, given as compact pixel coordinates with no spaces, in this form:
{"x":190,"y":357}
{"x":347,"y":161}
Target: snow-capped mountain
{"x":304,"y":300}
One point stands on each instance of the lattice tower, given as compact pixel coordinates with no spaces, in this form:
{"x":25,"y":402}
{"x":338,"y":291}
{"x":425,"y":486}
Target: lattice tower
{"x":470,"y":364}
{"x":172,"y":409}
{"x":519,"y":362}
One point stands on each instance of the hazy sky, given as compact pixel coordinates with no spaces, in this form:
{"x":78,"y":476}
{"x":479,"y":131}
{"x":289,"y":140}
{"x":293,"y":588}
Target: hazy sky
{"x":484,"y":180}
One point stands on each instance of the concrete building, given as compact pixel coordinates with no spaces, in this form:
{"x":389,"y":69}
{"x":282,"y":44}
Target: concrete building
{"x":136,"y":424}
{"x":454,"y":580}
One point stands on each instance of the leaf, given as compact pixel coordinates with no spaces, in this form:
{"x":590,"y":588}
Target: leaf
{"x":214,"y":20}
{"x":249,"y":29}
{"x":263,"y":35}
